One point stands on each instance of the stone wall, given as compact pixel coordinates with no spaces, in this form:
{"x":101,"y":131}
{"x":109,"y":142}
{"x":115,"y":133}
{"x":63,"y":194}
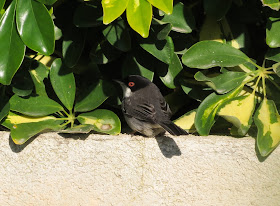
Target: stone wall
{"x":131,"y":170}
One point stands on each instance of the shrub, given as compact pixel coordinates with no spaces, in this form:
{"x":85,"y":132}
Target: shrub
{"x":213,"y":60}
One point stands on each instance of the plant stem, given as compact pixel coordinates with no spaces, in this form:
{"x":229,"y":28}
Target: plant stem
{"x":263,"y":83}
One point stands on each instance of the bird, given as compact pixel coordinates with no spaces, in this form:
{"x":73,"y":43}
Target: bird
{"x":145,"y":109}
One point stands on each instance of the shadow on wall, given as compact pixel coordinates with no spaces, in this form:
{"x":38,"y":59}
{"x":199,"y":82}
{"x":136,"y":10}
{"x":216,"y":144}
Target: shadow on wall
{"x":168,"y":146}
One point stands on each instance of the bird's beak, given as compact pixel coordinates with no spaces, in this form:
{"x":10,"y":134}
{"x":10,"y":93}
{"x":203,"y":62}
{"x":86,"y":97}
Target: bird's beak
{"x":118,"y":81}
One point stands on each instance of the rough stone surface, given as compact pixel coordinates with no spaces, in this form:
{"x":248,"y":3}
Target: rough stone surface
{"x":132,"y":170}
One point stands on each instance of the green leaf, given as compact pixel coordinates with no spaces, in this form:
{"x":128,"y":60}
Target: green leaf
{"x":139,"y":16}
{"x":239,"y":111}
{"x":4,"y":105}
{"x":217,"y":8}
{"x":72,"y":46}
{"x":163,"y":50}
{"x":132,"y":66}
{"x":164,"y":5}
{"x":38,"y":73}
{"x":12,"y":48}
{"x":164,"y":31}
{"x":181,"y":19}
{"x":104,"y":121}
{"x":93,"y":97}
{"x":47,"y":2}
{"x":87,"y":16}
{"x":174,"y":68}
{"x":207,"y":110}
{"x":222,"y":83}
{"x":35,"y":26}
{"x":37,"y":106}
{"x":24,"y":127}
{"x":273,"y":54}
{"x":267,"y":121}
{"x":63,"y":83}
{"x":78,"y":129}
{"x":118,"y":36}
{"x":207,"y":54}
{"x":2,"y":3}
{"x":112,"y":9}
{"x":273,"y":4}
{"x":272,"y":29}
{"x":276,"y":68}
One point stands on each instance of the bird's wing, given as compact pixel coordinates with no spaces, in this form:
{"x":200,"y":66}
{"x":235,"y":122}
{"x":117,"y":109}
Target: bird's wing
{"x":144,"y":111}
{"x":164,"y":107}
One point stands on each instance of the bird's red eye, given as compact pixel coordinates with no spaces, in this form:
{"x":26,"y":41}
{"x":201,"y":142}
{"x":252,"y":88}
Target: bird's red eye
{"x":131,"y":84}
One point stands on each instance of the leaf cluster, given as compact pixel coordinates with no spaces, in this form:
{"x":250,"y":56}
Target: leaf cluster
{"x":213,"y":60}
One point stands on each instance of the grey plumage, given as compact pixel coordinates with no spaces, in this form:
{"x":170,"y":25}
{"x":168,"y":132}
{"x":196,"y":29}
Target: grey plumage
{"x":145,"y":109}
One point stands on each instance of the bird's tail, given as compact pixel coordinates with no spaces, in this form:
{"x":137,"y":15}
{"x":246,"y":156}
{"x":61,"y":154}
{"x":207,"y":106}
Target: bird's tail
{"x":173,"y":128}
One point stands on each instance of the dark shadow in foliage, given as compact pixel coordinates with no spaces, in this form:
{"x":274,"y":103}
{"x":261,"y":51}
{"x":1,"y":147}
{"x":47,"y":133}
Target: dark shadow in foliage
{"x":77,"y":136}
{"x":168,"y":146}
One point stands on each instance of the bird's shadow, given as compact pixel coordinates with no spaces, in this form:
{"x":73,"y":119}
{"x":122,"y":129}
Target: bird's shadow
{"x":168,"y":146}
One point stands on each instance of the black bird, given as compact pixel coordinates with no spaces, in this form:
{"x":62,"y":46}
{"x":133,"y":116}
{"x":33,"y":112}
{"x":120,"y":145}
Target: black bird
{"x":145,"y":109}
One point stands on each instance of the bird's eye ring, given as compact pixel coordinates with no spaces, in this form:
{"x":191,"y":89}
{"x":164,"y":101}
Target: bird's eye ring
{"x":131,"y":84}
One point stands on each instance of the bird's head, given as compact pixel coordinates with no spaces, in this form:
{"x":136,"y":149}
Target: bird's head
{"x":133,"y":83}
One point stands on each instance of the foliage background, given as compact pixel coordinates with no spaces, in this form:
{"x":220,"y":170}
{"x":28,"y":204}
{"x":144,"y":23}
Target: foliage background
{"x":214,"y":60}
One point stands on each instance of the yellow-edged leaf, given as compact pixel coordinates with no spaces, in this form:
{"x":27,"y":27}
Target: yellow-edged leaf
{"x":24,"y":127}
{"x":103,"y":120}
{"x":267,"y":120}
{"x":239,"y":112}
{"x":186,"y":121}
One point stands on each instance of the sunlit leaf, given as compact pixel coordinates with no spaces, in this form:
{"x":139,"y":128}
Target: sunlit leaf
{"x":12,"y":48}
{"x":267,"y":120}
{"x":38,"y":73}
{"x":239,"y":111}
{"x":112,"y":9}
{"x":164,"y":5}
{"x":33,"y":16}
{"x":272,"y":29}
{"x":37,"y":106}
{"x":78,"y":129}
{"x":139,"y":16}
{"x":186,"y":121}
{"x":104,"y":121}
{"x":207,"y":110}
{"x":24,"y":127}
{"x":207,"y":54}
{"x":273,"y":4}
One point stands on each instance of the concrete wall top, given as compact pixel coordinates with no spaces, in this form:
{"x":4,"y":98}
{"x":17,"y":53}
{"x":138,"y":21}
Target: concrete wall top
{"x":132,"y":170}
